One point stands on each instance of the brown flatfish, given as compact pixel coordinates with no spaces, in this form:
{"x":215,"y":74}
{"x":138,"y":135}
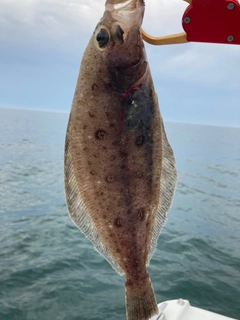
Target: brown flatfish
{"x":120,"y":171}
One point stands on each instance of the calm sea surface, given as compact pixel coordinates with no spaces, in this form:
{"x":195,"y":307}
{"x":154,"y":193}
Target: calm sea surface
{"x":49,"y":271}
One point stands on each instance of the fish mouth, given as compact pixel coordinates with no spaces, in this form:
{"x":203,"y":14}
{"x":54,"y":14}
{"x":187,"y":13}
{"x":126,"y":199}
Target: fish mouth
{"x":121,"y":4}
{"x":127,"y":13}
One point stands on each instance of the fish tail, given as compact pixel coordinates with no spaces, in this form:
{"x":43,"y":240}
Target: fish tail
{"x":140,"y":299}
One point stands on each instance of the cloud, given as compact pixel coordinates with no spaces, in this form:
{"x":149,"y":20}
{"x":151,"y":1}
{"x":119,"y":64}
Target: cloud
{"x":209,"y":65}
{"x":42,"y":42}
{"x":48,"y":22}
{"x":163,"y":17}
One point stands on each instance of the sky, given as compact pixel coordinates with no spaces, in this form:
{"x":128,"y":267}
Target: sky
{"x":42,"y":43}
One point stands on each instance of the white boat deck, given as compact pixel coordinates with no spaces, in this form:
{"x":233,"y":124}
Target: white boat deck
{"x":182,"y":310}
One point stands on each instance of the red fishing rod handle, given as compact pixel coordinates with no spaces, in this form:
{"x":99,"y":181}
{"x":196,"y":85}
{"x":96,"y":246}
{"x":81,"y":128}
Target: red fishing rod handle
{"x":214,"y":21}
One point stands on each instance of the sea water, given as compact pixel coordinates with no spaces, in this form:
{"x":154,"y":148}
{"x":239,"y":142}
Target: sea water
{"x":49,"y":271}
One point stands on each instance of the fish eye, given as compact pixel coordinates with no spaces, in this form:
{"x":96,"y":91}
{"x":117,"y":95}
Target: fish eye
{"x":102,"y":37}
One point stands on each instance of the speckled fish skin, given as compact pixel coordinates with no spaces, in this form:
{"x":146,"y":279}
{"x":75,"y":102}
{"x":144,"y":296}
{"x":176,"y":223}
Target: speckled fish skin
{"x":120,"y":170}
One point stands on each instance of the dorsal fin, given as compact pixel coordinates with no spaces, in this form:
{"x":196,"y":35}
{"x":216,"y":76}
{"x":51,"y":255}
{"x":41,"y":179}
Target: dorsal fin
{"x":167,"y":188}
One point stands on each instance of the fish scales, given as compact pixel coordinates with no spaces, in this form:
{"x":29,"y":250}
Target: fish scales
{"x":119,"y":167}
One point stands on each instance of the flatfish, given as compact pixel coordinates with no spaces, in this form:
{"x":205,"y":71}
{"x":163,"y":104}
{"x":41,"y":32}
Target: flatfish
{"x":119,"y":168}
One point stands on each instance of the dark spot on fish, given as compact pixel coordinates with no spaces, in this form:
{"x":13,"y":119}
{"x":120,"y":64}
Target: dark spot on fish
{"x":134,"y":248}
{"x":118,"y":222}
{"x":141,"y":214}
{"x":135,"y":263}
{"x":115,"y":143}
{"x":93,"y":173}
{"x":118,"y":251}
{"x":84,"y":127}
{"x":139,"y":175}
{"x":133,"y":229}
{"x":111,"y":125}
{"x":112,"y":158}
{"x":129,"y":283}
{"x":109,"y":179}
{"x":104,"y":216}
{"x":123,"y":154}
{"x":102,"y":38}
{"x":110,"y":85}
{"x":89,"y":162}
{"x":85,"y":149}
{"x":94,"y":86}
{"x":100,"y":134}
{"x":140,"y":140}
{"x":101,"y":193}
{"x":91,"y":114}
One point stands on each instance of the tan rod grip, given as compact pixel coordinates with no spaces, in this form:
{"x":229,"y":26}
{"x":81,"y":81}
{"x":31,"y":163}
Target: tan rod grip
{"x":172,"y":39}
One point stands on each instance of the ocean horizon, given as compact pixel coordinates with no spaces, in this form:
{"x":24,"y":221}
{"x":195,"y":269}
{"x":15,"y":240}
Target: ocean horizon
{"x":165,"y":120}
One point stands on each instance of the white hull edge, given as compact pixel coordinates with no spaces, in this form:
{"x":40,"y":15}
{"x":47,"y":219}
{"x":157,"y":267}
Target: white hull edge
{"x":182,"y":310}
